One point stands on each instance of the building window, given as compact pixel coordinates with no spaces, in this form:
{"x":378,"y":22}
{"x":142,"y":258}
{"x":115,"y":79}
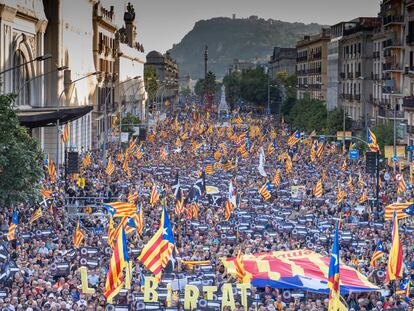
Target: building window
{"x":21,"y":80}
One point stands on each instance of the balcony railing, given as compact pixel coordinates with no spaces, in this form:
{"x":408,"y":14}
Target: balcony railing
{"x":315,"y":70}
{"x":350,"y":75}
{"x":392,"y":44}
{"x":315,"y":56}
{"x":376,"y":54}
{"x":391,"y":67}
{"x":409,"y":39}
{"x":301,"y":72}
{"x":301,"y":59}
{"x":408,"y":102}
{"x":357,"y":97}
{"x":342,"y":75}
{"x":392,"y":19}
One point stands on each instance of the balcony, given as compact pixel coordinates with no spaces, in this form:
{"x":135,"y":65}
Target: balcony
{"x":376,"y":54}
{"x":408,"y":102}
{"x":315,"y":56}
{"x":315,"y":70}
{"x":350,"y":75}
{"x":391,"y":90}
{"x":342,"y":75}
{"x":393,"y":20}
{"x":392,"y":44}
{"x":357,"y":97}
{"x":301,"y":72}
{"x":391,"y":67}
{"x":301,"y":59}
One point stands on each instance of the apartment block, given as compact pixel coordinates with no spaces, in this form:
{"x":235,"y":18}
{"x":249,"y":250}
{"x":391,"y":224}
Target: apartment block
{"x":311,"y":65}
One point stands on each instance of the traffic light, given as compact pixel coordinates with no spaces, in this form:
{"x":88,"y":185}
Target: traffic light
{"x":371,"y":162}
{"x":73,"y":162}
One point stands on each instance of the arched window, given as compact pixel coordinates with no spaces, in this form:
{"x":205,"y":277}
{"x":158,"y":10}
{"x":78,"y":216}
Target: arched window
{"x":20,"y":80}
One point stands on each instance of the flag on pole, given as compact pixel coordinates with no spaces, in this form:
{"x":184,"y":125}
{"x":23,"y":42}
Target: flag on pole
{"x":372,"y":141}
{"x":51,"y":169}
{"x":395,"y":257}
{"x":294,"y":139}
{"x":111,"y":232}
{"x":276,"y":179}
{"x":121,"y":209}
{"x":155,"y":195}
{"x":119,"y":260}
{"x":402,"y":186}
{"x":65,"y":135}
{"x":110,"y":168}
{"x":318,"y":190}
{"x":265,"y":191}
{"x":36,"y":215}
{"x":240,"y":270}
{"x":379,"y":252}
{"x":11,"y":235}
{"x":157,"y":253}
{"x":333,"y":275}
{"x":78,"y":236}
{"x":402,"y":210}
{"x":139,"y":220}
{"x":231,"y":201}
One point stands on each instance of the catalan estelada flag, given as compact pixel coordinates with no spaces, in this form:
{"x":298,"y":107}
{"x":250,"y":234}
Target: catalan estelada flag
{"x":379,"y":252}
{"x":179,"y":202}
{"x":231,"y":201}
{"x":319,"y":151}
{"x":276,"y":179}
{"x":36,"y":215}
{"x":87,"y":160}
{"x":78,"y":236}
{"x":402,"y":210}
{"x":119,"y":260}
{"x":265,"y":191}
{"x":121,"y":209}
{"x":395,"y":257}
{"x":132,"y":196}
{"x":363,"y":198}
{"x":209,"y":169}
{"x":294,"y":139}
{"x":333,"y":275}
{"x":157,"y":253}
{"x":139,"y":220}
{"x":11,"y":235}
{"x":372,"y":141}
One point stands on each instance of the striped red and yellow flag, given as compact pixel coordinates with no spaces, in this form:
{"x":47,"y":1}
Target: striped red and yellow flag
{"x":395,"y":257}
{"x":363,"y":198}
{"x":119,"y":260}
{"x":111,"y":232}
{"x":51,"y":169}
{"x":11,"y":234}
{"x":121,"y":209}
{"x":209,"y":169}
{"x":340,"y":195}
{"x":402,"y":186}
{"x":155,"y":195}
{"x":319,"y":151}
{"x":35,"y":216}
{"x":240,"y":270}
{"x":398,"y":208}
{"x":276,"y":179}
{"x":132,"y":196}
{"x":318,"y":190}
{"x":265,"y":191}
{"x":195,"y":210}
{"x":78,"y":236}
{"x":87,"y":160}
{"x":64,"y":137}
{"x":288,"y":165}
{"x":193,"y":263}
{"x":343,"y":167}
{"x":47,"y":194}
{"x":179,"y":203}
{"x":350,"y":184}
{"x":139,"y":220}
{"x":110,"y":168}
{"x":228,"y":209}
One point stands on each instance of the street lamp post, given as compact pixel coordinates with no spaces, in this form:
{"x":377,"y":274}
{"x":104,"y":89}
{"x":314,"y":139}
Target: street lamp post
{"x":395,"y":136}
{"x":39,"y":76}
{"x":58,"y":115}
{"x":37,"y":59}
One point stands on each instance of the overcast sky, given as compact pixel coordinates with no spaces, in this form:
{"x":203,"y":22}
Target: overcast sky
{"x":161,"y":23}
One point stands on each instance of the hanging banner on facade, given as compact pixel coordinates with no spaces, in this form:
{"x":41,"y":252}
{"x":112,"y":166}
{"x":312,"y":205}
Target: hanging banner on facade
{"x":389,"y":152}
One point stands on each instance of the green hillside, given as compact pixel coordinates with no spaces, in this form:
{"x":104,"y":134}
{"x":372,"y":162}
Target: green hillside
{"x":245,"y":39}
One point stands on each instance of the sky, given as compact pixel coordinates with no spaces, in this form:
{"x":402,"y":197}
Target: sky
{"x":162,"y":23}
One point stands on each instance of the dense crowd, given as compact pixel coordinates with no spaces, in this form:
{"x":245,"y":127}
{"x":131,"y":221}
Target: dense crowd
{"x":40,"y":268}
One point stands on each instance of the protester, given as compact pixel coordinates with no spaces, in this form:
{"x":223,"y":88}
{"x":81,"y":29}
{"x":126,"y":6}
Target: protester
{"x":48,"y":242}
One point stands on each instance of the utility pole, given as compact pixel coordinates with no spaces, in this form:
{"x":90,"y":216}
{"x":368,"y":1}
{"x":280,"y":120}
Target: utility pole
{"x":205,"y":61}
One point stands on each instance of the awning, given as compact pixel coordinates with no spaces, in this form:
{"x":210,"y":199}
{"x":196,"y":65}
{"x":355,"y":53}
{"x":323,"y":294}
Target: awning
{"x":48,"y":116}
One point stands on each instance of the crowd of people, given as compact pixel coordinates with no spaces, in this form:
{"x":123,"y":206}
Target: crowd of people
{"x":40,"y":267}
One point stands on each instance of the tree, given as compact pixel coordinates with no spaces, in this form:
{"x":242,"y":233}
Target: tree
{"x":309,"y":114}
{"x":185,"y":92}
{"x":287,"y":107}
{"x":335,"y":122}
{"x":152,"y":84}
{"x":254,"y":85}
{"x":127,"y":121}
{"x":207,"y":87}
{"x":232,"y":83}
{"x":20,"y":159}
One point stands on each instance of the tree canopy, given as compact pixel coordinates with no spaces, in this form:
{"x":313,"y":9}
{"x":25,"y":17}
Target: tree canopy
{"x":20,"y":159}
{"x":152,"y":84}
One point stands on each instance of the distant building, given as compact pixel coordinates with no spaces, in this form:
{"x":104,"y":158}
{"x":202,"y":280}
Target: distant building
{"x":167,"y":73}
{"x":355,"y":65}
{"x":240,"y":66}
{"x":282,"y":59}
{"x":311,"y":67}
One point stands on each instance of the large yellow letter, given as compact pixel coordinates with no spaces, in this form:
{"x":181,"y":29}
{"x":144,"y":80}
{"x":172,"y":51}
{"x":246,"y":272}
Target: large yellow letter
{"x":84,"y":279}
{"x":228,"y":297}
{"x":128,"y":275}
{"x":150,"y":293}
{"x":191,"y":294}
{"x":243,"y":293}
{"x":210,"y":290}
